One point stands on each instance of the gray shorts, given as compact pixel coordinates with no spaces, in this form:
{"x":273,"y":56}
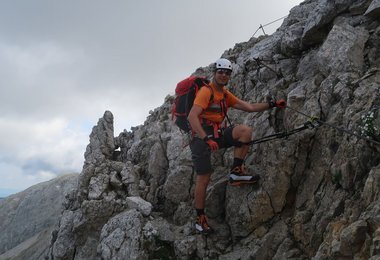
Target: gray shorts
{"x":201,"y":153}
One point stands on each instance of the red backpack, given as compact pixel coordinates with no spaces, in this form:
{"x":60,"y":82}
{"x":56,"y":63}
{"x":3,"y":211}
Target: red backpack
{"x":186,"y":91}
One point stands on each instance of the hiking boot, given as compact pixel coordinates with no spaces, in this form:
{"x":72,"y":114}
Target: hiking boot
{"x":239,"y":177}
{"x":202,"y":226}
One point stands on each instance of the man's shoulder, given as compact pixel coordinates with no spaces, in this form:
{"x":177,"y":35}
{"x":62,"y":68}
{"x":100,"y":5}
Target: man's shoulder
{"x":231,"y":98}
{"x":228,"y":92}
{"x":205,"y":90}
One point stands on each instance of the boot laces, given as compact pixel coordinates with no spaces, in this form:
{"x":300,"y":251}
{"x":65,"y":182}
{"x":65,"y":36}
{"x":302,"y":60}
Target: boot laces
{"x":239,"y":170}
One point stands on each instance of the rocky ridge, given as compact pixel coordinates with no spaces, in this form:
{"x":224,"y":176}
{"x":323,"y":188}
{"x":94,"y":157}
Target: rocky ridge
{"x":319,"y":197}
{"x":27,"y":218}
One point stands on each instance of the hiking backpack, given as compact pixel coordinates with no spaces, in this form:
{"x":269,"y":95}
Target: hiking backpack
{"x":185,"y":95}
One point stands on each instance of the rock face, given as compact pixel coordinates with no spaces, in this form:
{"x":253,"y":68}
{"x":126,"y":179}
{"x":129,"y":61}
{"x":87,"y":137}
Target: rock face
{"x":319,"y":196}
{"x":28,"y":218}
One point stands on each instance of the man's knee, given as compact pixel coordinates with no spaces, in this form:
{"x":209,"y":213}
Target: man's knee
{"x":242,"y":133}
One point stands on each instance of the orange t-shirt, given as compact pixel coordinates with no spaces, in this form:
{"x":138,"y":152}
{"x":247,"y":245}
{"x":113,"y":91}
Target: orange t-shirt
{"x":203,"y":100}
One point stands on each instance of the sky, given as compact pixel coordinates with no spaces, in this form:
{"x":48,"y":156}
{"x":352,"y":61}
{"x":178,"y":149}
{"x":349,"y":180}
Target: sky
{"x":63,"y":63}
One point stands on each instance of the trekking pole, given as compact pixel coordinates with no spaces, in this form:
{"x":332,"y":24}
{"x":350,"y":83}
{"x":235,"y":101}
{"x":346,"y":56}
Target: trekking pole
{"x":285,"y":134}
{"x":336,"y":127}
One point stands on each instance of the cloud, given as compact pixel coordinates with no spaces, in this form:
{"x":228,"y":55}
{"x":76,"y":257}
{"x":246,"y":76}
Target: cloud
{"x":38,"y":79}
{"x":13,"y":179}
{"x":35,"y":148}
{"x":63,"y":63}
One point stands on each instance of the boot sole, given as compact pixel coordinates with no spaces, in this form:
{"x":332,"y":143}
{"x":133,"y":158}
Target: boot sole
{"x":204,"y":232}
{"x":240,"y":183}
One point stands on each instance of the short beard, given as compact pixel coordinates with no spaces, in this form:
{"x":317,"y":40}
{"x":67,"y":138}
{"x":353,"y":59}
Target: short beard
{"x":218,"y":84}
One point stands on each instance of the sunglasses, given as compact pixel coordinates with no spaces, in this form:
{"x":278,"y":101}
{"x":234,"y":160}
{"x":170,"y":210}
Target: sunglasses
{"x":224,"y":71}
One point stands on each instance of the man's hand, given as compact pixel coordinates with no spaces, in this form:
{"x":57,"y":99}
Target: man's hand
{"x":211,"y":143}
{"x":279,"y":103}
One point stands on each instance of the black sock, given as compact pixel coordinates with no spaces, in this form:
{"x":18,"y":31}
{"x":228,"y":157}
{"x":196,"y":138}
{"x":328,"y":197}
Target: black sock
{"x":200,"y":212}
{"x":237,"y":162}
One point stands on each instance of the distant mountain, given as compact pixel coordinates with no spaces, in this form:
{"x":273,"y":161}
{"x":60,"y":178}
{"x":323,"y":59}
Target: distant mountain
{"x":27,"y":218}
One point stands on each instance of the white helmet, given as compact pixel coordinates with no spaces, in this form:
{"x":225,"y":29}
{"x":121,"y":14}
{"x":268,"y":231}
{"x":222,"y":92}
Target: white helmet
{"x":223,"y":64}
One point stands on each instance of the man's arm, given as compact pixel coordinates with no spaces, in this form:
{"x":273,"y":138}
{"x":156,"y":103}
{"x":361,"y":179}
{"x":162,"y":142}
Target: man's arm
{"x":197,"y":127}
{"x":193,"y":118}
{"x":248,"y":107}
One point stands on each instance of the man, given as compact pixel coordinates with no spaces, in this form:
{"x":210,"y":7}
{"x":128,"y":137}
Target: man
{"x":205,"y":118}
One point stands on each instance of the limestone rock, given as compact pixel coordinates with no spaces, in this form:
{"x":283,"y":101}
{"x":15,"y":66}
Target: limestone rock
{"x":178,"y":184}
{"x":291,"y":41}
{"x":375,"y":247}
{"x":143,"y":206}
{"x":352,"y":238}
{"x":371,"y":190}
{"x":346,"y":56}
{"x":120,"y":237}
{"x":318,"y":196}
{"x":326,"y":10}
{"x":374,"y":9}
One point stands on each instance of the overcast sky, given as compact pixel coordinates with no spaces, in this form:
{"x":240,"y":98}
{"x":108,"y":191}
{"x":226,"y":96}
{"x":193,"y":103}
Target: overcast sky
{"x":63,"y":63}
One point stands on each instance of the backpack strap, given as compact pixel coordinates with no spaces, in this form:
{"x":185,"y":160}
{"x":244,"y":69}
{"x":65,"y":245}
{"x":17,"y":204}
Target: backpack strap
{"x":212,"y":92}
{"x":225,"y":107}
{"x":211,"y":99}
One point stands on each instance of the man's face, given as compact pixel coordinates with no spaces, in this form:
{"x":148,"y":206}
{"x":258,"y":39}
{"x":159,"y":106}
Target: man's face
{"x":222,"y":76}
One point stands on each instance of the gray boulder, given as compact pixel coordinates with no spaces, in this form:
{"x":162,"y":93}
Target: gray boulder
{"x":348,"y":56}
